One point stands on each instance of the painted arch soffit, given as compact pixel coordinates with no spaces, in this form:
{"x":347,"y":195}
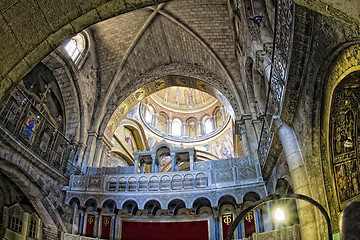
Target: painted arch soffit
{"x":155,"y":86}
{"x":346,"y":63}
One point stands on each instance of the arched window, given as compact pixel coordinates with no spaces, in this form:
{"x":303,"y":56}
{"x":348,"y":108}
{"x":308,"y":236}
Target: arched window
{"x":176,"y":127}
{"x":149,"y":112}
{"x":208,"y":125}
{"x":32,"y":228}
{"x":77,"y":48}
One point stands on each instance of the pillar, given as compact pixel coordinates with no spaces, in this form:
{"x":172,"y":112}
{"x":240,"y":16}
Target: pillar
{"x":169,"y":126}
{"x":244,"y":138}
{"x":198,"y":128}
{"x":153,"y":156}
{"x":213,"y":121}
{"x":301,"y":184}
{"x":76,"y":221}
{"x":90,"y":151}
{"x":136,"y":164}
{"x":142,"y":166}
{"x":81,"y":223}
{"x":172,"y":156}
{"x":98,"y":152}
{"x":84,"y":217}
{"x":183,"y":129}
{"x":191,"y":155}
{"x":80,"y":154}
{"x":97,"y":225}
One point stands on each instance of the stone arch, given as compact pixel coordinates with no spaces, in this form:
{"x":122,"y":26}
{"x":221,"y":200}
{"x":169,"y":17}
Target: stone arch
{"x":226,"y":199}
{"x":75,"y":200}
{"x":48,"y":214}
{"x":251,"y":196}
{"x":152,"y":206}
{"x":175,"y":204}
{"x":69,"y":88}
{"x":160,"y":78}
{"x":131,"y":206}
{"x":192,"y":126}
{"x":109,"y":204}
{"x":91,"y":203}
{"x":51,"y":30}
{"x":138,"y":131}
{"x":201,"y":202}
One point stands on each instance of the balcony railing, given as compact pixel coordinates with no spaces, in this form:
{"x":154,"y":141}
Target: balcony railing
{"x":207,"y":174}
{"x":279,"y":72}
{"x":23,"y":121}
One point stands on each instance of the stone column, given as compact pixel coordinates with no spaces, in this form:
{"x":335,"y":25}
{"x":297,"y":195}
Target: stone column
{"x":213,"y":121}
{"x":117,"y":225}
{"x":136,"y":164}
{"x":153,"y":156}
{"x":76,"y":221}
{"x":183,"y":129}
{"x":90,"y":151}
{"x":244,"y":138}
{"x":84,"y":217}
{"x":198,"y":127}
{"x":80,"y":154}
{"x":81,"y":223}
{"x":25,"y":224}
{"x":172,"y":156}
{"x":191,"y":156}
{"x":97,"y":225}
{"x":113,"y":225}
{"x":142,"y":166}
{"x":156,"y":119}
{"x":169,"y":126}
{"x":105,"y":155}
{"x":301,"y":184}
{"x":98,"y":152}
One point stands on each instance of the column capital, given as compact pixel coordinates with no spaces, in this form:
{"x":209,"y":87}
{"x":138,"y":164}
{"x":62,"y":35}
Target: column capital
{"x":277,"y":123}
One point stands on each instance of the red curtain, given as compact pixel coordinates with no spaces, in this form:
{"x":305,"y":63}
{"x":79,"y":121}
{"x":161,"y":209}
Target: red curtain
{"x":226,"y":221}
{"x":90,"y":222}
{"x":249,"y":224}
{"x":189,"y":230}
{"x":105,"y":227}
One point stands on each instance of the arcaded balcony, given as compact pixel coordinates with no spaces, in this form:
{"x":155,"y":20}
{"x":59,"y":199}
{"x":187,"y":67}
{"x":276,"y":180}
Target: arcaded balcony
{"x":213,"y":179}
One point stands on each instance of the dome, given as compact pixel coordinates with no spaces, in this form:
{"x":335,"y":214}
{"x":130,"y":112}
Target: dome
{"x":183,"y":114}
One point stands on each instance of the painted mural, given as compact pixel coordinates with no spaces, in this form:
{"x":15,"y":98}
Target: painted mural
{"x":129,"y":140}
{"x":222,"y":147}
{"x":183,"y":98}
{"x":162,"y":83}
{"x":344,"y":131}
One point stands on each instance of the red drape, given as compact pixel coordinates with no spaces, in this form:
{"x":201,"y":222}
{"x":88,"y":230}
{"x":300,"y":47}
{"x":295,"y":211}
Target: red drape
{"x":105,"y":227}
{"x":90,"y":222}
{"x":226,"y":221}
{"x":249,"y":224}
{"x":189,"y":230}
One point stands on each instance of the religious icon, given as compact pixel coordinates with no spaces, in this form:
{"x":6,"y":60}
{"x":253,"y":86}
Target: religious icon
{"x":129,"y":140}
{"x":30,"y":127}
